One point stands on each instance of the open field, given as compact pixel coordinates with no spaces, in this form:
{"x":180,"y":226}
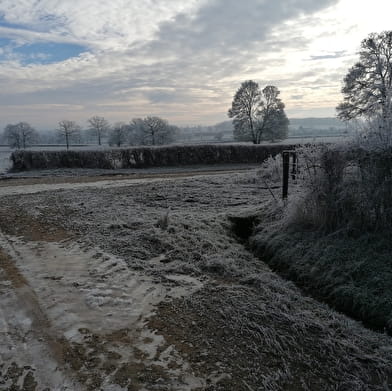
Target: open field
{"x":141,"y":285}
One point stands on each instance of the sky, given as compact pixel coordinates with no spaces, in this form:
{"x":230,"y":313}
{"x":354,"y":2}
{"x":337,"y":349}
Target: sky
{"x":182,"y":60}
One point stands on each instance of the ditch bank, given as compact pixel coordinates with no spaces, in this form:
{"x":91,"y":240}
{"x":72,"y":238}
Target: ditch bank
{"x":353,"y":275}
{"x":144,"y":157}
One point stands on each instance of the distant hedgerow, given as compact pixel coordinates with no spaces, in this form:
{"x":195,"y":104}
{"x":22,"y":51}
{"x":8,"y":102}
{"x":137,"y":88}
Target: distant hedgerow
{"x":140,"y":157}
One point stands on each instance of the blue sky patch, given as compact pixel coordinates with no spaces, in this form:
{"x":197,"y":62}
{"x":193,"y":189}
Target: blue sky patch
{"x":4,"y":42}
{"x":39,"y":52}
{"x":35,"y":52}
{"x":47,"y":53}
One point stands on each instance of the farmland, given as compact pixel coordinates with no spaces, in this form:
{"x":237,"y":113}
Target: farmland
{"x":140,"y":284}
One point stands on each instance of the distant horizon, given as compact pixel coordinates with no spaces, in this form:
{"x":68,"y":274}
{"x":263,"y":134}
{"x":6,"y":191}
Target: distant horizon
{"x":54,"y":128}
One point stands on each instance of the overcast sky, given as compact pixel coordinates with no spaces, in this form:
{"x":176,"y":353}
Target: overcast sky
{"x":182,"y":60}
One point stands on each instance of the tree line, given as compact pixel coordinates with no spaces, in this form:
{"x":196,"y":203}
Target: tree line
{"x":151,"y":130}
{"x":258,"y":115}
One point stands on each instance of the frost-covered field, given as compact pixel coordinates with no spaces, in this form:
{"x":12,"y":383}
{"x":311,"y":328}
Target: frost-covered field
{"x":142,"y":286}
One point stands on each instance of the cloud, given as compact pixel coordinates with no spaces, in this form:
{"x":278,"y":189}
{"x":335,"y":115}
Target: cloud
{"x":228,"y":25}
{"x":174,"y":57}
{"x":338,"y":54}
{"x":297,"y":97}
{"x":103,"y":25}
{"x":21,"y":36}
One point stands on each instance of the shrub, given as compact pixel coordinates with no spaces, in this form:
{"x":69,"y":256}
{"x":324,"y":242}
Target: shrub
{"x":343,"y":187}
{"x":272,"y":168}
{"x":333,"y":234}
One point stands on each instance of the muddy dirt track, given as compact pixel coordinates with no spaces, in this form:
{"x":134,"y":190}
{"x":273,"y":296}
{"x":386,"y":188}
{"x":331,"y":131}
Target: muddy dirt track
{"x":139,"y":284}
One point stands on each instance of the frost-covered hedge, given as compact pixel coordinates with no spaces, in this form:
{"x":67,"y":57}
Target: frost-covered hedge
{"x":343,"y":187}
{"x":333,"y":236}
{"x":140,"y":157}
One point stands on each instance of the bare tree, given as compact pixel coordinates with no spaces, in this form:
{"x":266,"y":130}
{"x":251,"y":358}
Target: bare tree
{"x":245,"y":110}
{"x":157,"y":131}
{"x":20,"y":135}
{"x":272,"y":120}
{"x":147,"y":131}
{"x":367,"y":88}
{"x":12,"y":136}
{"x":136,"y":131}
{"x":119,"y":134}
{"x":68,"y":130}
{"x":100,"y":126}
{"x":258,"y":115}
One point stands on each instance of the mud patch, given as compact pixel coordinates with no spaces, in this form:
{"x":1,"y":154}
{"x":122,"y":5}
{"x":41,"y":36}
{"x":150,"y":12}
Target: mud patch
{"x":12,"y":272}
{"x":95,"y":314}
{"x":20,"y":223}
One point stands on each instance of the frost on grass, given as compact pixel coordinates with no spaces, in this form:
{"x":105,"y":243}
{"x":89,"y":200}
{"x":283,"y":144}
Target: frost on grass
{"x":157,"y":220}
{"x":247,"y":328}
{"x":269,"y":337}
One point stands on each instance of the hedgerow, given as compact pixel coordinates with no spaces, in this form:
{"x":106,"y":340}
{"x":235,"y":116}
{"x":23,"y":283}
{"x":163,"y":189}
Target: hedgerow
{"x":140,"y":157}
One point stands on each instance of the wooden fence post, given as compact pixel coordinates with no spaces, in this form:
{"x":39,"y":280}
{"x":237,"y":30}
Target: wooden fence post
{"x":294,"y":168}
{"x":286,"y":169}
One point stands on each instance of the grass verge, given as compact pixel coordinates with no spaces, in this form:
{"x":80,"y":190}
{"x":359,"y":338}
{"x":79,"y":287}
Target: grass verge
{"x":352,"y":274}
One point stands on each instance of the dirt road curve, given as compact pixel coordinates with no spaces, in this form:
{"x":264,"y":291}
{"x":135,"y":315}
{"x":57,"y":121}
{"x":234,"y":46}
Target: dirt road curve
{"x":138,"y":284}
